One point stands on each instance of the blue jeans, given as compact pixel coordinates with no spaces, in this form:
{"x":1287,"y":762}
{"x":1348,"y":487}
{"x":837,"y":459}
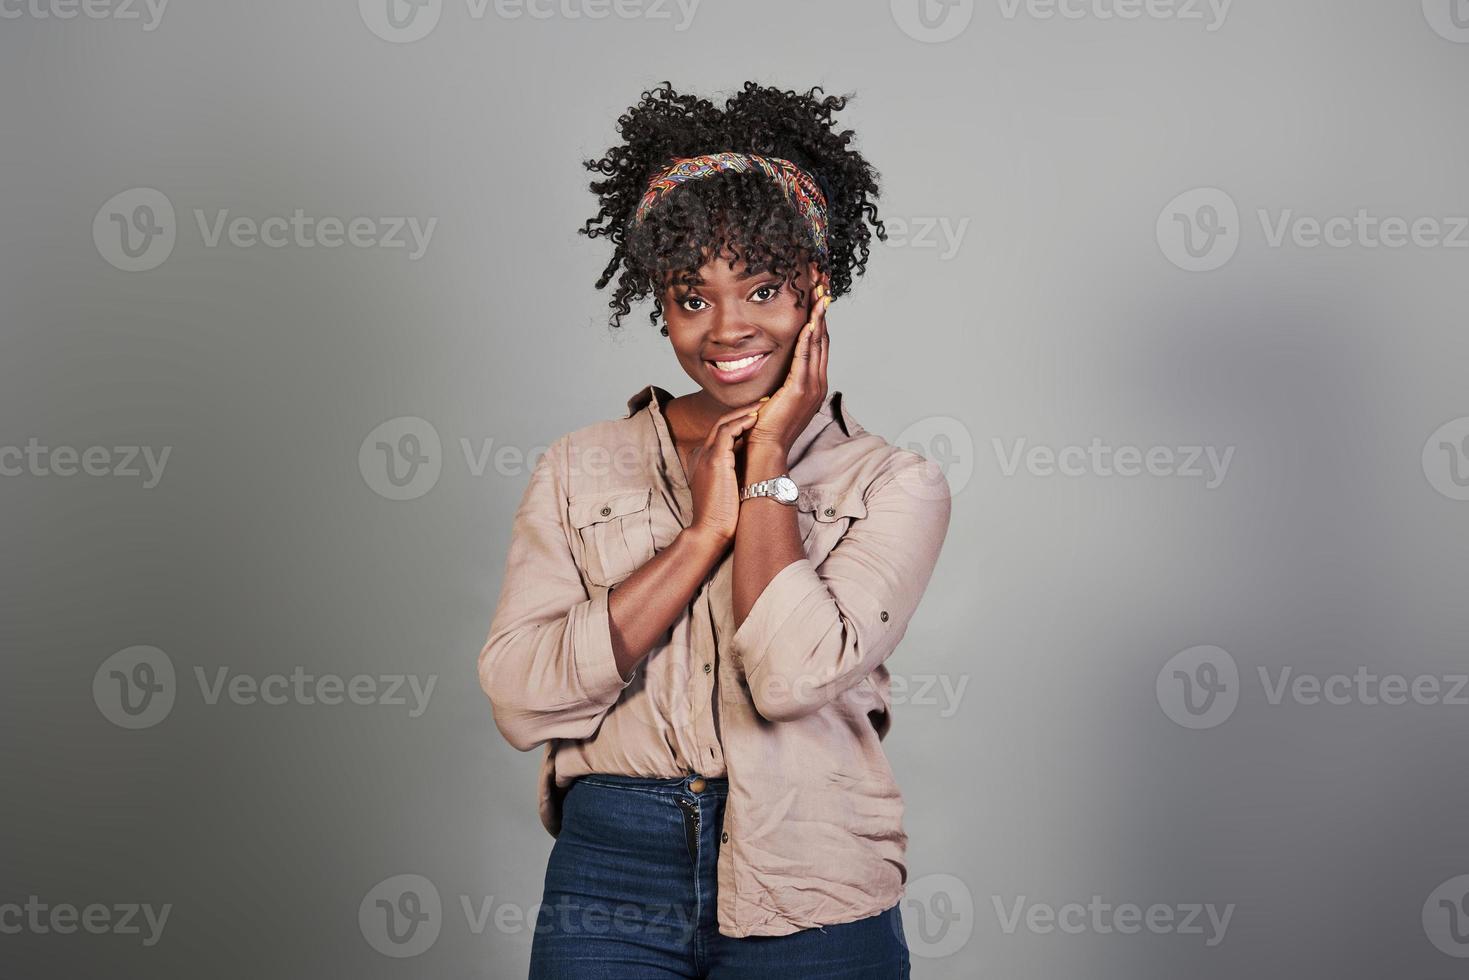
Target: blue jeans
{"x":630,"y":895}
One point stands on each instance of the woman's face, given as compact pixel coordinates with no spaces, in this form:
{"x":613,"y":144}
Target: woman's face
{"x":718,"y":323}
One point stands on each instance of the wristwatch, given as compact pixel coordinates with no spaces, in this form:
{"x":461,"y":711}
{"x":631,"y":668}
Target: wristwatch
{"x":782,"y":488}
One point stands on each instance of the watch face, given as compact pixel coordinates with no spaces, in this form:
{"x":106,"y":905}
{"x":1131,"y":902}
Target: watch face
{"x":785,"y":490}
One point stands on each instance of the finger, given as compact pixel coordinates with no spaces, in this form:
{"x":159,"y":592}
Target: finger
{"x":725,"y":432}
{"x":818,"y":334}
{"x":734,"y":413}
{"x":796,"y":379}
{"x":825,"y":344}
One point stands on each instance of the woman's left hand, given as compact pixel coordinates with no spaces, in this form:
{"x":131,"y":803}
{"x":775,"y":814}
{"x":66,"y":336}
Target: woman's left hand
{"x":787,"y":412}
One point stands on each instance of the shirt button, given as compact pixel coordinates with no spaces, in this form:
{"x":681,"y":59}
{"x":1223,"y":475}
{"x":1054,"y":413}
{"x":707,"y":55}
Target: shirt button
{"x":883,"y":615}
{"x":697,"y":785}
{"x":724,"y":837}
{"x":606,"y":511}
{"x":707,"y":668}
{"x":830,"y":511}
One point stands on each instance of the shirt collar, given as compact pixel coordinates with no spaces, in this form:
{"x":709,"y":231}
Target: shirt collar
{"x":833,"y":409}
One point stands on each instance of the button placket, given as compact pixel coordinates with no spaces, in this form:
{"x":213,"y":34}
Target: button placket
{"x":705,"y":733}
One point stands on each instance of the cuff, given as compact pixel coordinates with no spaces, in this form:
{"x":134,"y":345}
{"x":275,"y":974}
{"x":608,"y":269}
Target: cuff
{"x":591,"y":645}
{"x":781,"y":597}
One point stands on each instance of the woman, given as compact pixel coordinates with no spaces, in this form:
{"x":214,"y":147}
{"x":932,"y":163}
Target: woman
{"x":700,"y":595}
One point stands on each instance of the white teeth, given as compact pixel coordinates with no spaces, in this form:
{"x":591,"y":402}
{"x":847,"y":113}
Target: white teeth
{"x":736,"y":365}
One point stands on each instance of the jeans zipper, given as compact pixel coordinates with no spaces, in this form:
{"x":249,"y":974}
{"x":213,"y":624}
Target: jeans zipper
{"x":691,"y":826}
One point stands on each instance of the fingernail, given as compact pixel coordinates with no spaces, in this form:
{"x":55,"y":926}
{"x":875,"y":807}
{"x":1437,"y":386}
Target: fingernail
{"x":766,"y":398}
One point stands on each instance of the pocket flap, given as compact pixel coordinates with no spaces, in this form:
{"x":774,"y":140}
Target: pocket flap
{"x":591,"y":508}
{"x":828,"y":504}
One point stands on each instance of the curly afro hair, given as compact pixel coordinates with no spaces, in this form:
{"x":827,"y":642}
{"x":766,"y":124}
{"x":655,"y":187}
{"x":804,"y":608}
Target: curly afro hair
{"x":743,"y":215}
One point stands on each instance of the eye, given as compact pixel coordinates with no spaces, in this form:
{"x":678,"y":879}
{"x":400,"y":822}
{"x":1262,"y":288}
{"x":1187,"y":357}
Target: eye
{"x":684,"y":303}
{"x":766,"y":293}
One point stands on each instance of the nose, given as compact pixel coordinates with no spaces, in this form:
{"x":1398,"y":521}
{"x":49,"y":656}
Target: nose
{"x":730,"y":330}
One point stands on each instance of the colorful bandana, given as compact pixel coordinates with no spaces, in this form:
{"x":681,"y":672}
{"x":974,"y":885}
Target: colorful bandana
{"x":798,"y":186}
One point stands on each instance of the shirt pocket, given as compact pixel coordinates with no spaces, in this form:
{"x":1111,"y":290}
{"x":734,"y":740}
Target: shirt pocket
{"x":824,"y":513}
{"x":616,"y":531}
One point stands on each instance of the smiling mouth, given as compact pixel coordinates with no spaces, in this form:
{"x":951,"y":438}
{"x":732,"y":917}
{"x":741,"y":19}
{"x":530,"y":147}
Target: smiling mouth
{"x":738,"y":369}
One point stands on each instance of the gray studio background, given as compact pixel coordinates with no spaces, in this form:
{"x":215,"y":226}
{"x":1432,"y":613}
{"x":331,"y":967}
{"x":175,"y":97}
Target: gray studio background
{"x":1077,"y":255}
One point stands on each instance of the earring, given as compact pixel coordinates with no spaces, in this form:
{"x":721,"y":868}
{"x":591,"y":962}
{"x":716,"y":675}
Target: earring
{"x":663,"y":330}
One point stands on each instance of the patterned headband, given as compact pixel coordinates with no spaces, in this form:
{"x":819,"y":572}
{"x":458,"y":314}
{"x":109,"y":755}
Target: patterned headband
{"x":799,"y":187}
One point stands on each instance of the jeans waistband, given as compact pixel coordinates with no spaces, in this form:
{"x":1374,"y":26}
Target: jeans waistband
{"x":658,"y":784}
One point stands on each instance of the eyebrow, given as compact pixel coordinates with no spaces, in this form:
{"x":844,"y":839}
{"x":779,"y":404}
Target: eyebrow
{"x":700,"y":281}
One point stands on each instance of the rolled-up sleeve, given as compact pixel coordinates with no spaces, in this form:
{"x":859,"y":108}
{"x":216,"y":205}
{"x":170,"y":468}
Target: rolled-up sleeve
{"x":814,"y":632}
{"x":547,"y":665}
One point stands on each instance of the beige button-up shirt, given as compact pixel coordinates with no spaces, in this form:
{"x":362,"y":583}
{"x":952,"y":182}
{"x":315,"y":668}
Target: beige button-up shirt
{"x":791,"y":707}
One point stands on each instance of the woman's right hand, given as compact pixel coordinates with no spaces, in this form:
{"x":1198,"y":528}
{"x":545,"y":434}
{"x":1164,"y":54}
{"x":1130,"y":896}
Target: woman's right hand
{"x":713,"y":482}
